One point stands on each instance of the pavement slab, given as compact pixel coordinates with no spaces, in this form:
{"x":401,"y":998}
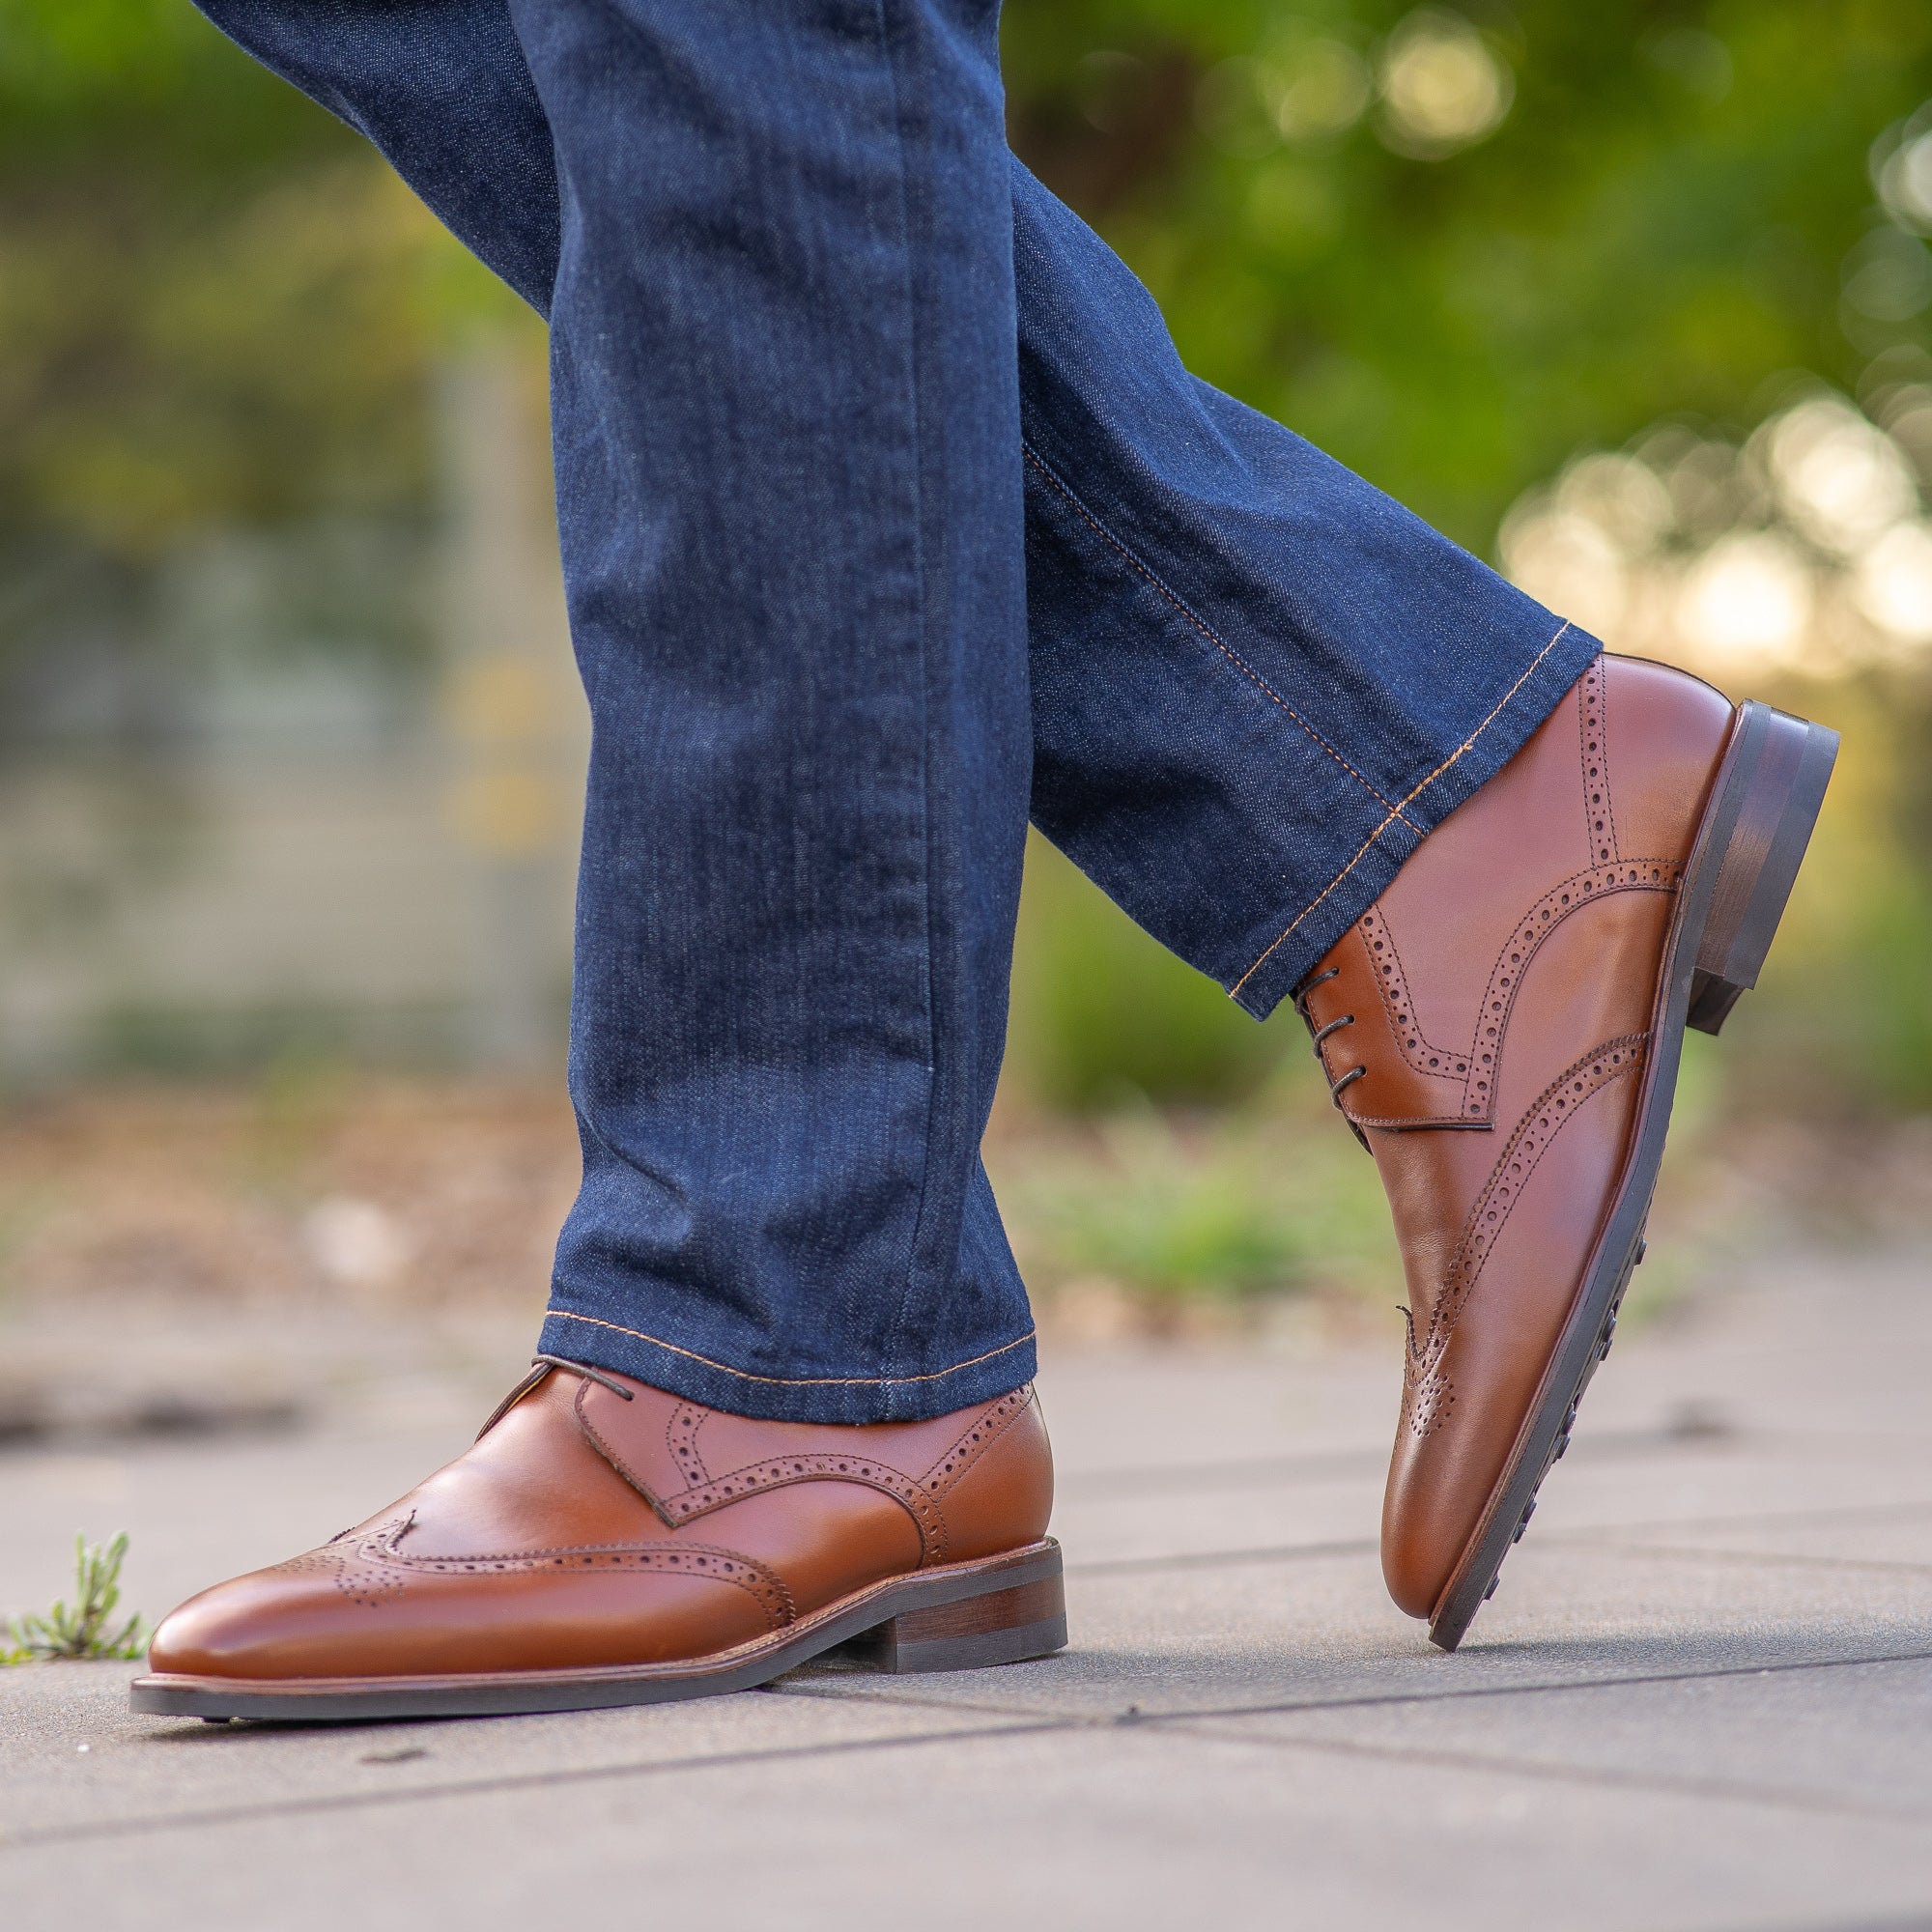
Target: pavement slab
{"x":1702,"y":1698}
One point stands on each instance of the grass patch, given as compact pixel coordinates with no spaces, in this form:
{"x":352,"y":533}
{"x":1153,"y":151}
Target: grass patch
{"x":86,"y":1627}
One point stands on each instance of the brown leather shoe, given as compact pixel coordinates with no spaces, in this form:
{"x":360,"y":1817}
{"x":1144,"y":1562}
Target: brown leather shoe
{"x":1502,"y":1030}
{"x":604,"y":1543}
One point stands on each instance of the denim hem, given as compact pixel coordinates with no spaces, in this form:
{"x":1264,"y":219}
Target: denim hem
{"x":1543,"y":684}
{"x":841,"y":1399}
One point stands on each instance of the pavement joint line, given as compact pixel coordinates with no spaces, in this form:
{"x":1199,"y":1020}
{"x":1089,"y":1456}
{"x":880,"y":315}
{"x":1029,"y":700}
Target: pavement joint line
{"x":1759,"y":1558}
{"x":1782,"y":1797}
{"x":354,"y":1801}
{"x":1372,"y":1700}
{"x":1284,"y":1553}
{"x":1260,"y":1471}
{"x":1602,"y":1536}
{"x":1916,"y":1921}
{"x":1756,"y":1518}
{"x":1811,"y":1441}
{"x":1185,"y":1721}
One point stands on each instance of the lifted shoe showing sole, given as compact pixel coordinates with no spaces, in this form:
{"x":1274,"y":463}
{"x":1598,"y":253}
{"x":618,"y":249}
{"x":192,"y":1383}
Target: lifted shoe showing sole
{"x":1502,"y":1030}
{"x":1770,"y":790}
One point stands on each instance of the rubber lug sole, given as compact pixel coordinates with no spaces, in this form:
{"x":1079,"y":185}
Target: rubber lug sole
{"x":1757,"y":827}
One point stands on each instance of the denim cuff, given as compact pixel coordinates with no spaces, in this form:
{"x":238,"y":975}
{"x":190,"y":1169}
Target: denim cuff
{"x":1387,"y":839}
{"x":607,"y":1344}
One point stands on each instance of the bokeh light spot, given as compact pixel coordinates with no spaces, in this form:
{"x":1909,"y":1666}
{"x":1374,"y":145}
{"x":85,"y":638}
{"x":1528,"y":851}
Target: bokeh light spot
{"x":1893,"y":584}
{"x":1840,"y":478}
{"x":1746,"y":603}
{"x":1443,"y":89}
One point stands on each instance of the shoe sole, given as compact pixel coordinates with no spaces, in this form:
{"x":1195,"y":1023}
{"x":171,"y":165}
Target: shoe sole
{"x":1764,"y":804}
{"x":958,"y":1617}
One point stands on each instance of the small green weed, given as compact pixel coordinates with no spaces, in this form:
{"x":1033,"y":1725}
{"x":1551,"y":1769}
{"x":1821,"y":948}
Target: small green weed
{"x":86,"y":1628}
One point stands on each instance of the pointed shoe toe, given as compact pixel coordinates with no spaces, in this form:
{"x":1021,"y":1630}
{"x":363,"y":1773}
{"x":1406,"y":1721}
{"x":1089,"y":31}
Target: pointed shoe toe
{"x":269,"y":1623}
{"x":1502,"y":1032}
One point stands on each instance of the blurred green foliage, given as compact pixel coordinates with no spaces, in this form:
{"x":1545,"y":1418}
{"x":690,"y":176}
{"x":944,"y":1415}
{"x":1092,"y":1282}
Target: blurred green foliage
{"x":1223,"y":1206}
{"x":1660,"y":228}
{"x":212,"y":303}
{"x":1656,"y":227}
{"x":1841,"y":1020}
{"x":1101,"y":1013}
{"x":85,"y":1629}
{"x":217,"y":309}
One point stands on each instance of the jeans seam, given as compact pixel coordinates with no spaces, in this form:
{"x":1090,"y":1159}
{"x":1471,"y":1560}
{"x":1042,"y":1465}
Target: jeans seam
{"x":1207,"y":629}
{"x":889,"y":1350}
{"x":794,"y":1381}
{"x":1395,"y":811}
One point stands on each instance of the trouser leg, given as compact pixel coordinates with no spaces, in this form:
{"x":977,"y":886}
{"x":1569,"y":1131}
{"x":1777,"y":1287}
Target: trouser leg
{"x":784,"y":406}
{"x":1255,"y":681}
{"x":785,"y":413}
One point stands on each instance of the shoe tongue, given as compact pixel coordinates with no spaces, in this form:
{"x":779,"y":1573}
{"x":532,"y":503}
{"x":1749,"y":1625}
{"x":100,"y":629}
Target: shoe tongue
{"x":534,"y":1481}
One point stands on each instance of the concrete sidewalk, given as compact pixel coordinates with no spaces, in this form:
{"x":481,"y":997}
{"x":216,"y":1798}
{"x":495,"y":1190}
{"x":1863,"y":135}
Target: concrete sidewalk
{"x":1701,"y":1698}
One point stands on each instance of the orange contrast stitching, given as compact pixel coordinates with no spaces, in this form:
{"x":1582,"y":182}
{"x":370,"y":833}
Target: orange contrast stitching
{"x":1469,"y":744}
{"x":794,"y":1381}
{"x":1239,"y":662}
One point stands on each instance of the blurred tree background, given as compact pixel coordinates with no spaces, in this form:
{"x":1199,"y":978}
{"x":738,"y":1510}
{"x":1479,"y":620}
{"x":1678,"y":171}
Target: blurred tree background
{"x":1632,"y":299}
{"x":1458,"y":249}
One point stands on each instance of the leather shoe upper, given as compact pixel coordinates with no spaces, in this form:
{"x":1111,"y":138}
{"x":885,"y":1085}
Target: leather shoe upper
{"x":1485,"y":1026}
{"x":598,"y":1521}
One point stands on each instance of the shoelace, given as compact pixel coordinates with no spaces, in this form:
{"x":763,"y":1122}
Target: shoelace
{"x":540,"y":1366}
{"x":1299,"y":1000}
{"x":610,"y":1383}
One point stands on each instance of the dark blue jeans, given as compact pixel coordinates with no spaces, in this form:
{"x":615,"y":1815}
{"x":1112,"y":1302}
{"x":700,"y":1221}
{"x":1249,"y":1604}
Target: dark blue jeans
{"x":890,"y":517}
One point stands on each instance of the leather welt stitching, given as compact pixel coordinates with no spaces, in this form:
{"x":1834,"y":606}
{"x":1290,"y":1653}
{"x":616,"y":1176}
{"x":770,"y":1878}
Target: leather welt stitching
{"x":686,"y":1559}
{"x":987,"y":1428}
{"x":777,"y":1471}
{"x":1506,"y":976}
{"x":1392,"y":983}
{"x":1528,"y":1141}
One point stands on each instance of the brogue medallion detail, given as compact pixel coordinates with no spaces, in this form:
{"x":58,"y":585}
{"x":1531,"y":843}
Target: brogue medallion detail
{"x":1392,"y":983}
{"x":1428,"y":1394}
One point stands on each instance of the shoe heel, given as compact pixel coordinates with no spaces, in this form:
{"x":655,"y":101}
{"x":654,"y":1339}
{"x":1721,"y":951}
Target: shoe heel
{"x":1005,"y":1623}
{"x":1777,"y":778}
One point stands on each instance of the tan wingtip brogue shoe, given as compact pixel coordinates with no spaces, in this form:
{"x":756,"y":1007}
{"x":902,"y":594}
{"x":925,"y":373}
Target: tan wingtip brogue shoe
{"x":1502,"y":1032}
{"x":604,"y":1543}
